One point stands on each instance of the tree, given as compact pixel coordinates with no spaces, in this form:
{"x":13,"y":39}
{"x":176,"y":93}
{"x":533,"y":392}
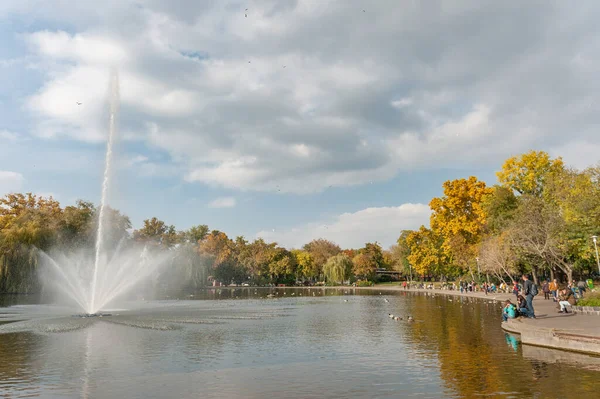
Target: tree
{"x":576,"y":195}
{"x":196,"y":234}
{"x":528,"y":173}
{"x":497,"y":257}
{"x":27,"y":222}
{"x":282,"y":265}
{"x":321,"y":250}
{"x":426,"y":253}
{"x":77,"y":224}
{"x":255,"y":258}
{"x":369,"y":259}
{"x":459,"y":218}
{"x":338,"y":268}
{"x":499,"y":208}
{"x":158,"y":233}
{"x":363,"y":266}
{"x":218,"y":246}
{"x":536,"y":232}
{"x":306,"y":264}
{"x":400,"y":252}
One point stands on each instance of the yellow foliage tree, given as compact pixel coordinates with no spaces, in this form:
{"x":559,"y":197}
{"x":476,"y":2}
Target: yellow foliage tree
{"x":529,"y":172}
{"x":426,"y":254}
{"x":459,"y":218}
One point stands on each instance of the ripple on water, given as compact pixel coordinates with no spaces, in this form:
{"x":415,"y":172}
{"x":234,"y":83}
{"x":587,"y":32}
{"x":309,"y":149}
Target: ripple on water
{"x":149,"y":324}
{"x":57,"y":325}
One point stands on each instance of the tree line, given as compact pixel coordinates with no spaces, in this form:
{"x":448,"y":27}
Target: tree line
{"x":539,"y":218}
{"x":30,"y":223}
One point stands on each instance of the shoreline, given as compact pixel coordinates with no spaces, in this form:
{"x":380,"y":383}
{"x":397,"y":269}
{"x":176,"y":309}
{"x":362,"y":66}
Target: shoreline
{"x":571,"y":332}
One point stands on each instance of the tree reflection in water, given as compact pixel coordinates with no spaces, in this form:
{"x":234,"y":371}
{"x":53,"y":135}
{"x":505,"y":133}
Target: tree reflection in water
{"x":465,"y":335}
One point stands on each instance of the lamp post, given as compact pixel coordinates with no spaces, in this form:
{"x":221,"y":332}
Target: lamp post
{"x":595,"y":239}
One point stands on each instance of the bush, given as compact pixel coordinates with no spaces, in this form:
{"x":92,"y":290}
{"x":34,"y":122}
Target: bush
{"x":364,"y":283}
{"x":590,"y":300}
{"x":384,"y":278}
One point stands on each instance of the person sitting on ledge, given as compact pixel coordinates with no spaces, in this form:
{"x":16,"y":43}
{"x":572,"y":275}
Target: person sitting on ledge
{"x":509,"y":311}
{"x":522,"y":305}
{"x":566,"y":300}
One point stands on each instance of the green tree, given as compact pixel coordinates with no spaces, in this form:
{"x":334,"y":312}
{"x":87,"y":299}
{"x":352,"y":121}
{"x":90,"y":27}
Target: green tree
{"x":321,"y":250}
{"x":337,"y":269}
{"x":196,"y":234}
{"x":499,"y":208}
{"x":282,"y":266}
{"x":400,"y":253}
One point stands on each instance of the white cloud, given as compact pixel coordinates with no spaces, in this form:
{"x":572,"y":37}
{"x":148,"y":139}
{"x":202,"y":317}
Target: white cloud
{"x":223,"y":202}
{"x":8,"y":136}
{"x":300,"y":95}
{"x":578,"y":154}
{"x":10,"y":181}
{"x":402,"y":103}
{"x":353,"y":230}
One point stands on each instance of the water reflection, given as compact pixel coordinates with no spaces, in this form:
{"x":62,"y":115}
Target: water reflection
{"x":331,"y":344}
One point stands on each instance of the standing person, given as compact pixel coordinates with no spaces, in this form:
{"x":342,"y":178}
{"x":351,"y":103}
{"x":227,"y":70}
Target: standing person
{"x":529,"y":291}
{"x":516,"y":289}
{"x":546,"y":289}
{"x":554,"y":289}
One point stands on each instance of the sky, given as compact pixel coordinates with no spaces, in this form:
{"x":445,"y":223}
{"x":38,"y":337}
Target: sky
{"x":294,"y":119}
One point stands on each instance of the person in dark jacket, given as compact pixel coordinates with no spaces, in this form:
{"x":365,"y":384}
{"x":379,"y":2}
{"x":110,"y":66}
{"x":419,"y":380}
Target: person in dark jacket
{"x":522,"y":306}
{"x":546,"y":289}
{"x":527,"y":291}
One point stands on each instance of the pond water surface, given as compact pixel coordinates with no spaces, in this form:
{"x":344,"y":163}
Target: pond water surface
{"x":321,"y":344}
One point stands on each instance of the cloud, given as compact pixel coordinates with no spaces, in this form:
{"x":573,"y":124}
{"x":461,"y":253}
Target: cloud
{"x":302,"y":95}
{"x":6,"y":135}
{"x":578,"y":154}
{"x":353,"y":230}
{"x":223,"y":202}
{"x":10,"y":181}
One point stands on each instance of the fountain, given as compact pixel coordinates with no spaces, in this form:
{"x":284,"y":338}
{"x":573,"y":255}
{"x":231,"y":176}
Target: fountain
{"x":92,"y":283}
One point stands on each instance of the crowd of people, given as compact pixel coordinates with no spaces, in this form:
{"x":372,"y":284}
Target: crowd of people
{"x":565,"y":297}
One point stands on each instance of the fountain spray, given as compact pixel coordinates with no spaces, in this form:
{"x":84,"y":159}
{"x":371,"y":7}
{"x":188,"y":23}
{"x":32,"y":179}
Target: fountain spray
{"x":114,"y":109}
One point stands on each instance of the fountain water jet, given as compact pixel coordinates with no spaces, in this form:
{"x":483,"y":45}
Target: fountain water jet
{"x":93,"y":283}
{"x":114,"y":107}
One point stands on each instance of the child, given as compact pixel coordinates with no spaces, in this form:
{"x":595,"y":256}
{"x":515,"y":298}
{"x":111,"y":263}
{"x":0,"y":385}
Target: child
{"x":509,"y":311}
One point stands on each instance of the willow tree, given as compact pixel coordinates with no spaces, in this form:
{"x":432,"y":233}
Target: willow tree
{"x":338,"y":268}
{"x":27,"y":223}
{"x":321,"y":250}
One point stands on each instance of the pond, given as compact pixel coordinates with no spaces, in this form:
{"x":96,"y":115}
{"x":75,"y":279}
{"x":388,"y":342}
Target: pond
{"x":304,"y":343}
